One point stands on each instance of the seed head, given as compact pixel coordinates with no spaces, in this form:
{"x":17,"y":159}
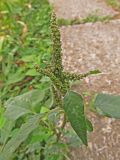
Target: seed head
{"x":56,"y":50}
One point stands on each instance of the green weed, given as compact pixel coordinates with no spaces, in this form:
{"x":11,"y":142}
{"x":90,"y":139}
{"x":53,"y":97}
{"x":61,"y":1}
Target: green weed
{"x":37,"y":102}
{"x":114,"y":3}
{"x":91,"y":18}
{"x":24,"y":40}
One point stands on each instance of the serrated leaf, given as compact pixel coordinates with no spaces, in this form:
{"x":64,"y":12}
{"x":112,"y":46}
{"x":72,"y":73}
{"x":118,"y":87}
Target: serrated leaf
{"x":108,"y":104}
{"x":20,"y":137}
{"x":74,"y":108}
{"x":23,"y":104}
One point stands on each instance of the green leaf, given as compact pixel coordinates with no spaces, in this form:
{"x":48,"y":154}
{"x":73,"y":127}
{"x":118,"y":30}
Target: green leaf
{"x":54,"y":116}
{"x":6,"y":130}
{"x":2,"y":38}
{"x":2,"y":118}
{"x":108,"y":104}
{"x":20,"y":137}
{"x":29,"y":58}
{"x":16,"y":77}
{"x":74,"y":108}
{"x":49,"y":103}
{"x":55,"y":151}
{"x":24,"y":104}
{"x":89,"y":125}
{"x":2,"y":121}
{"x":32,"y":72}
{"x":72,"y":139}
{"x":40,"y":134}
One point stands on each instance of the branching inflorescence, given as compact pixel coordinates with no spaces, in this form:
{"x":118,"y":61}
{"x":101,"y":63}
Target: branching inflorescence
{"x":61,"y":80}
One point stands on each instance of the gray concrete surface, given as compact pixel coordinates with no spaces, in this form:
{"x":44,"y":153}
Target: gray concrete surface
{"x":70,"y":9}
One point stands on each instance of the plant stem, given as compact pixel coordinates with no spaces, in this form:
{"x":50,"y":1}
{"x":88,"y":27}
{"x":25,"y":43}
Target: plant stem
{"x":62,"y":127}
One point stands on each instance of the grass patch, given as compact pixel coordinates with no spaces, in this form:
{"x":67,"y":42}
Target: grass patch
{"x":24,"y":40}
{"x":91,"y":18}
{"x":114,"y":3}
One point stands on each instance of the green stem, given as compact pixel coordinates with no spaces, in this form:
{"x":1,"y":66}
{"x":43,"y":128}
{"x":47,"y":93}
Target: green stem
{"x":62,"y":127}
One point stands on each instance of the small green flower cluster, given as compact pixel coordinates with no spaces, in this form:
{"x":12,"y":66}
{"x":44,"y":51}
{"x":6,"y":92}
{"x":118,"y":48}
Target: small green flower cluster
{"x":74,"y":77}
{"x":61,"y":80}
{"x":57,"y":97}
{"x":56,"y":43}
{"x":56,"y":81}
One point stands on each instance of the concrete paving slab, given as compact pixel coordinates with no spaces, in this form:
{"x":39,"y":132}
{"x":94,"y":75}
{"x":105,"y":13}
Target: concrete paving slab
{"x":94,"y":46}
{"x":104,"y":142}
{"x":70,"y":9}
